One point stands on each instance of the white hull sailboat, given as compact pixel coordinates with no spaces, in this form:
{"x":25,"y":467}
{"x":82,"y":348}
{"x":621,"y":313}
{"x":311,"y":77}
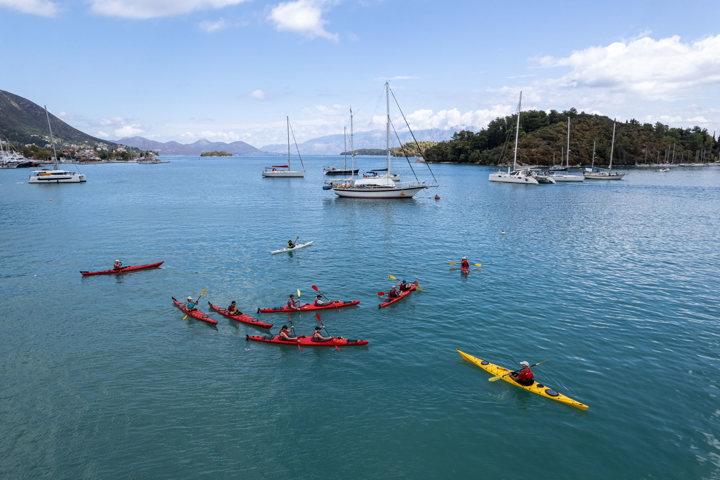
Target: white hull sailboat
{"x":379,"y":186}
{"x":597,"y":174}
{"x":567,"y":177}
{"x":283,"y":171}
{"x":524,"y":176}
{"x":48,"y":176}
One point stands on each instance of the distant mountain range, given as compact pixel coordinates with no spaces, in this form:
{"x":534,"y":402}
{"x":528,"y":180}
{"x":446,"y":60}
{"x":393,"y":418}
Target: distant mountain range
{"x":196,"y":148}
{"x":24,"y":122}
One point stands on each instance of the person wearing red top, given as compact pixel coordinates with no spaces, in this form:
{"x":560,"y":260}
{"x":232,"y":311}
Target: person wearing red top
{"x":291,"y":302}
{"x":525,"y":376}
{"x":464,"y":263}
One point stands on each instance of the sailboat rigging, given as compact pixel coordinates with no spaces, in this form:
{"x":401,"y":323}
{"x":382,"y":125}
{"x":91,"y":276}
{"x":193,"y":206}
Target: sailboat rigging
{"x":284,"y":170}
{"x":55,"y":175}
{"x":523,"y":176}
{"x":597,"y":174}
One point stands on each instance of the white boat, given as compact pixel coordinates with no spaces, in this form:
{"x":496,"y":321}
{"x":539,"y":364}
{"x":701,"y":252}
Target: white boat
{"x":523,"y":176}
{"x":379,"y":186}
{"x":55,"y":175}
{"x":297,"y":245}
{"x":284,"y":171}
{"x":567,"y":177}
{"x":598,"y":174}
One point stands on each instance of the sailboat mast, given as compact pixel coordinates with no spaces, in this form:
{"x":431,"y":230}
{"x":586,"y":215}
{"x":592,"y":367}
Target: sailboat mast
{"x":517,"y":132}
{"x":287,"y":118}
{"x":612,"y":145}
{"x":345,"y":151}
{"x":592,"y":163}
{"x":567,"y":163}
{"x":52,"y":139}
{"x":387,"y":105}
{"x":352,"y":149}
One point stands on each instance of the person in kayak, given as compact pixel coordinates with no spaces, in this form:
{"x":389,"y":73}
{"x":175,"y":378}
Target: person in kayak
{"x":393,"y":293}
{"x":319,"y":301}
{"x":190,"y":305}
{"x":290,"y":244}
{"x":317,"y":336}
{"x":524,"y":376}
{"x":286,"y":334}
{"x":403,"y":286}
{"x":464,"y":263}
{"x":117,"y":265}
{"x":291,"y":303}
{"x":233,"y":310}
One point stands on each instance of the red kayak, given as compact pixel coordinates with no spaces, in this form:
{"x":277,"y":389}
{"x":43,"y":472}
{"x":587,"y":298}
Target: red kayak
{"x":390,"y":301}
{"x":241,"y":318}
{"x":309,"y":306}
{"x":123,"y":270}
{"x":464,"y":270}
{"x":307,"y":341}
{"x":196,"y":314}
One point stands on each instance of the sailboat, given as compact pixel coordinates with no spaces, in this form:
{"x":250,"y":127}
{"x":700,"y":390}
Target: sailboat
{"x":597,"y":174}
{"x":566,"y":177}
{"x":524,"y":176}
{"x":284,"y":170}
{"x":55,"y":175}
{"x":379,"y":186}
{"x":341,"y":170}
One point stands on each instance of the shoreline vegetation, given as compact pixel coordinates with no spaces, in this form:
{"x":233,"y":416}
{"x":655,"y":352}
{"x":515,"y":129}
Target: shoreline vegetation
{"x":217,"y":153}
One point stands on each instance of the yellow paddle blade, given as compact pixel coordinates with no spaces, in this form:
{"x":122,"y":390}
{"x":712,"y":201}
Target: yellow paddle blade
{"x":495,"y":379}
{"x":184,"y":318}
{"x":203,"y":292}
{"x":298,"y":292}
{"x":390,"y":276}
{"x":417,"y":287}
{"x":453,"y":263}
{"x":478,"y":264}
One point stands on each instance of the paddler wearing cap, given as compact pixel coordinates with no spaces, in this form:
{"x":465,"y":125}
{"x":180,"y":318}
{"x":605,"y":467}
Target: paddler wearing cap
{"x":524,"y":376}
{"x":117,"y":265}
{"x":190,"y":305}
{"x":317,"y":336}
{"x":464,"y":263}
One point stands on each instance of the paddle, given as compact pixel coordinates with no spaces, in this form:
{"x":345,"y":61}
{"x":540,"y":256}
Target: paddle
{"x":476,"y":264}
{"x":417,"y":287}
{"x":317,"y":315}
{"x":197,"y":301}
{"x":292,"y":329}
{"x":498,"y":377}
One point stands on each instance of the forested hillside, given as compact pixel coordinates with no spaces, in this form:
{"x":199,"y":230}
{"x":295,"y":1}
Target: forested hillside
{"x":543,"y":141}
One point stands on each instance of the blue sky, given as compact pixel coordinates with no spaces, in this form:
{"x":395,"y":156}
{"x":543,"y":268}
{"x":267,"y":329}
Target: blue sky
{"x":229,"y":70}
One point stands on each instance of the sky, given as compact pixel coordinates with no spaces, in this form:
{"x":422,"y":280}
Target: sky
{"x":228,"y":70}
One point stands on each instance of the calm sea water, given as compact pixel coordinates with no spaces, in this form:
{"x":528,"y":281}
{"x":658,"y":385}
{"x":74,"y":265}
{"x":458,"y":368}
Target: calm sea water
{"x":615,"y":283}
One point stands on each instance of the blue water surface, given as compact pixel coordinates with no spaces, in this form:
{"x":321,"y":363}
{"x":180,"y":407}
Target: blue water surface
{"x":615,"y":283}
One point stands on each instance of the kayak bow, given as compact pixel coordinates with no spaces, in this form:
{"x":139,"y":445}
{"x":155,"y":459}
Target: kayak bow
{"x":538,"y":388}
{"x":297,"y":245}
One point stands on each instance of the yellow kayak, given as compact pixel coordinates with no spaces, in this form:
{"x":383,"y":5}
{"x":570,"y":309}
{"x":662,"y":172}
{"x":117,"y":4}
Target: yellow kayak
{"x":539,"y":388}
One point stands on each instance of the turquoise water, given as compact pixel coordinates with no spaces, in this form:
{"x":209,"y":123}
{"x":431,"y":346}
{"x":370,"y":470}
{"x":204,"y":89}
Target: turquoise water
{"x":615,"y":283}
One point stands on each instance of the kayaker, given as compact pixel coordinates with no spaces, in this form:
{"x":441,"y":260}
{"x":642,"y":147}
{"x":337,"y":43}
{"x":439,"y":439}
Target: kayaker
{"x":291,"y":303}
{"x":233,"y":310}
{"x":117,"y":265}
{"x":403,"y":286}
{"x":290,"y":244}
{"x":317,"y":336}
{"x":285,"y":334}
{"x":319,"y":301}
{"x":465,"y":263}
{"x":524,"y":376}
{"x":190,"y":305}
{"x":393,"y":293}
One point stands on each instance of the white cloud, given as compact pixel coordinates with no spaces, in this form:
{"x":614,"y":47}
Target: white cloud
{"x":42,"y":8}
{"x":302,"y":16}
{"x":655,"y":69}
{"x":258,"y":94}
{"x":128,"y":131}
{"x":451,"y":119}
{"x":212,"y":27}
{"x":143,"y":9}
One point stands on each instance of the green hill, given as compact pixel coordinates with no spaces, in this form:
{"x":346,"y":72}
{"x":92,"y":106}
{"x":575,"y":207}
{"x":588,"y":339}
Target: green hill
{"x":543,"y":141}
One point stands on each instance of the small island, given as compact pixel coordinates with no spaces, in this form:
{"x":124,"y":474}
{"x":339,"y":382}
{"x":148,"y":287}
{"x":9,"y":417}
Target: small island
{"x":217,"y":153}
